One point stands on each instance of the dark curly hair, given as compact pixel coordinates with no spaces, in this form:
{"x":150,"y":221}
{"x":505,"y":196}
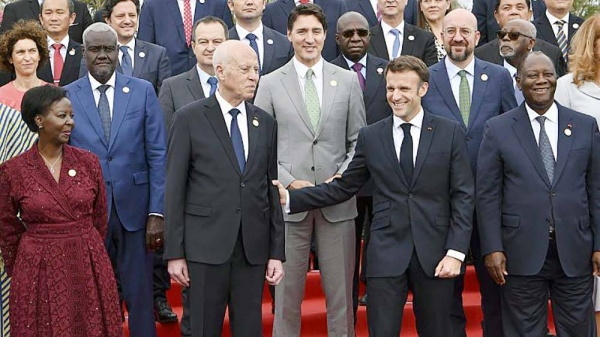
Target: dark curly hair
{"x":38,"y":101}
{"x":109,"y":5}
{"x":22,"y":30}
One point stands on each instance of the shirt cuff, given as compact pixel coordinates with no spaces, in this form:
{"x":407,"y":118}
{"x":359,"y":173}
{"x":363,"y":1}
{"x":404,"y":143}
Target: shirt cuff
{"x":456,"y":254}
{"x":286,"y":208}
{"x":156,"y":214}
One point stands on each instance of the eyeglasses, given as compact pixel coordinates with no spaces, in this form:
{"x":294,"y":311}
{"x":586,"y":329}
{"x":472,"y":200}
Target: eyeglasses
{"x":350,"y":33}
{"x":513,"y":36}
{"x":464,"y":32}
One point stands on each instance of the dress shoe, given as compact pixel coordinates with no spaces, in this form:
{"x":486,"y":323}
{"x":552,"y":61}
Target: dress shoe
{"x":163,"y":312}
{"x":362,"y":300}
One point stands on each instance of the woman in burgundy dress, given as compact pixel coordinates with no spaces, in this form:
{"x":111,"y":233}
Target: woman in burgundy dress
{"x":53,"y":219}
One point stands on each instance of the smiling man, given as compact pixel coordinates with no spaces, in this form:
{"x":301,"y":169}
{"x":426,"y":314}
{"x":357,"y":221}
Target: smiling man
{"x":538,"y":178}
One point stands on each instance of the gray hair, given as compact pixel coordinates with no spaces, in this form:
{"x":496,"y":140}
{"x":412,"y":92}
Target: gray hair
{"x":70,"y":4}
{"x":98,"y":27}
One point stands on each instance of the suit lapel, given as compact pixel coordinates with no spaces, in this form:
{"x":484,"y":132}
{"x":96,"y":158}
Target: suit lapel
{"x":546,"y":31}
{"x":368,"y":9}
{"x":479,"y":90}
{"x":374,"y":80}
{"x":378,"y":42}
{"x":387,"y":138}
{"x":439,"y":75}
{"x":574,"y":24}
{"x":176,"y":15}
{"x":329,"y":91}
{"x":427,"y":130}
{"x":120,"y":103}
{"x":193,"y":84}
{"x":70,"y":64}
{"x":268,"y":49}
{"x":45,"y":72}
{"x":253,"y":134}
{"x":233,"y":34}
{"x":216,"y":120}
{"x":200,"y":10}
{"x":86,"y":99}
{"x":139,"y":62}
{"x":407,"y":43}
{"x":564,"y":143}
{"x":292,"y":87}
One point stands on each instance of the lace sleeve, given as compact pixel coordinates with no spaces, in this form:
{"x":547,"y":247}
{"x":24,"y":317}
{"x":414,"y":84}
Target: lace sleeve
{"x":11,"y":228}
{"x":100,"y":216}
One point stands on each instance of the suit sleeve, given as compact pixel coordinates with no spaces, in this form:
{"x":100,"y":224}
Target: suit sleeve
{"x":480,"y":12}
{"x":165,"y":97}
{"x":277,"y":231}
{"x":356,"y":120}
{"x":146,"y":25}
{"x":164,"y":68}
{"x":10,"y":226}
{"x":507,"y":91}
{"x":430,"y":52}
{"x":490,"y":181}
{"x":593,"y":185}
{"x":155,"y":147}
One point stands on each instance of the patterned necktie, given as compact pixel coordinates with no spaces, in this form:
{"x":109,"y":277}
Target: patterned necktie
{"x":563,"y":43}
{"x":252,"y":38}
{"x":187,"y":21}
{"x":396,"y":47}
{"x":213,"y":81}
{"x":464,"y":97}
{"x":126,"y":66}
{"x":236,"y":139}
{"x":361,"y":79}
{"x":104,"y":110}
{"x":546,"y":149}
{"x":311,"y":100}
{"x":406,"y":153}
{"x":518,"y":92}
{"x":58,"y":62}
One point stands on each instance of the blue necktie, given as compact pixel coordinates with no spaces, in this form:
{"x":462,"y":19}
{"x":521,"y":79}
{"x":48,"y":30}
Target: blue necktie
{"x":254,"y":46}
{"x":104,"y":110}
{"x":396,"y":48}
{"x":236,"y":139}
{"x":406,"y":153}
{"x":126,"y":67}
{"x":213,"y":81}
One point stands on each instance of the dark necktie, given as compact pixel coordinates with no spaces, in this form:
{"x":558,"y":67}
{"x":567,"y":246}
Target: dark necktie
{"x":126,"y":66}
{"x":104,"y":110}
{"x":361,"y":79}
{"x":252,"y":38}
{"x":236,"y":139}
{"x":213,"y":81}
{"x":406,"y":153}
{"x":58,"y":62}
{"x":561,"y":38}
{"x":546,"y":149}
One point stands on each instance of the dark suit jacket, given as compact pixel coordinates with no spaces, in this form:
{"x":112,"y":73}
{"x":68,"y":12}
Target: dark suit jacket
{"x":277,"y":53}
{"x":490,"y":98}
{"x":203,"y":219}
{"x":179,"y":91}
{"x":429,"y":215}
{"x":276,"y":15}
{"x":30,"y":10}
{"x":516,"y":201}
{"x":545,"y":32}
{"x":161,"y":24}
{"x":70,"y":71}
{"x":486,"y":22}
{"x":490,"y":52}
{"x":422,"y":44}
{"x":411,"y":11}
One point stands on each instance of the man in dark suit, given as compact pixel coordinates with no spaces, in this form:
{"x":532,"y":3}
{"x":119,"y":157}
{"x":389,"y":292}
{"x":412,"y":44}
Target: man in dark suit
{"x":353,"y":39}
{"x":224,"y":240}
{"x":488,"y":92}
{"x":538,"y":178}
{"x":393,"y":37}
{"x":169,"y":23}
{"x":272,"y":48}
{"x":368,"y":9}
{"x":422,"y":208}
{"x":30,"y":10}
{"x":487,"y":24}
{"x":65,"y":54}
{"x":276,"y":15}
{"x":507,"y":10}
{"x":111,"y":110}
{"x":558,"y":25}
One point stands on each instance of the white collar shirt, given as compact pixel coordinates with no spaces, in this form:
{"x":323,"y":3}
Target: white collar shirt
{"x":454,"y":77}
{"x":110,"y":92}
{"x":317,"y":77}
{"x":390,"y":38}
{"x":242,"y":120}
{"x":260,"y":41}
{"x":181,"y":8}
{"x":362,"y":61}
{"x":204,"y":76}
{"x":550,"y":125}
{"x":130,"y":50}
{"x":553,"y":20}
{"x":63,"y":50}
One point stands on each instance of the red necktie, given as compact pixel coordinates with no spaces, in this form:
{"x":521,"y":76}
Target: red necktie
{"x":304,"y":1}
{"x":58,"y":62}
{"x":187,"y":21}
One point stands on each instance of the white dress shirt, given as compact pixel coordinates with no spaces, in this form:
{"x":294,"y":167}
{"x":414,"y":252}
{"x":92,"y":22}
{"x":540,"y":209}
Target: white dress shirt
{"x":551,"y":126}
{"x":513,"y":72}
{"x":242,"y":33}
{"x":63,"y":50}
{"x":374,"y":5}
{"x":362,"y":61}
{"x":317,"y":77}
{"x":130,"y":51}
{"x":390,"y":37}
{"x":242,"y":121}
{"x":455,"y":78}
{"x":192,"y":5}
{"x":110,"y":92}
{"x":204,"y":76}
{"x":553,"y":19}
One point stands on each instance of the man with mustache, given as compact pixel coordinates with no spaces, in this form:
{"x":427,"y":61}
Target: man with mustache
{"x":470,"y":91}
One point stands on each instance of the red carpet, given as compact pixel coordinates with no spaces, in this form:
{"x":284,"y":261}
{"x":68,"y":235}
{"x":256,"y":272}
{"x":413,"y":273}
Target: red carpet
{"x":314,"y":317}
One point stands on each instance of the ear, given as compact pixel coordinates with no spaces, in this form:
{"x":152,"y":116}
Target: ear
{"x":72,"y":18}
{"x":423,"y":89}
{"x":39,"y":120}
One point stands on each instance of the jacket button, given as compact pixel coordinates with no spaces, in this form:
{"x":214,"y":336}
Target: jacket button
{"x":238,"y":210}
{"x":312,"y":168}
{"x":109,"y":158}
{"x":553,"y":194}
{"x":410,"y":196}
{"x":468,"y":139}
{"x":108,"y":183}
{"x":315,"y":142}
{"x":242,"y":184}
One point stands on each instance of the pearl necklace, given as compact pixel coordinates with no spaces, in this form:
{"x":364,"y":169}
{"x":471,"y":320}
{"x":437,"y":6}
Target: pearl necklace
{"x":51,"y":166}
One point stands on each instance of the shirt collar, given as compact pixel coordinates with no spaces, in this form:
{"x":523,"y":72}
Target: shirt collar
{"x":417,"y":121}
{"x":95,"y":84}
{"x":203,"y":75}
{"x":386,"y":28}
{"x":553,"y":18}
{"x":453,"y":69}
{"x":226,"y":107}
{"x":362,"y":61}
{"x":242,"y":32}
{"x":64,"y":41}
{"x":130,"y":45}
{"x":301,"y":68}
{"x":551,"y":115}
{"x":512,"y":70}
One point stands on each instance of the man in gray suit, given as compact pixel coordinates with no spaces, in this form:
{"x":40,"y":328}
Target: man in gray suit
{"x":200,"y":81}
{"x":319,"y":110}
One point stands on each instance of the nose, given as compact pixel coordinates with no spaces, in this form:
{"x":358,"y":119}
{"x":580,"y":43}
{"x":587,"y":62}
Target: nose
{"x":310,"y":38}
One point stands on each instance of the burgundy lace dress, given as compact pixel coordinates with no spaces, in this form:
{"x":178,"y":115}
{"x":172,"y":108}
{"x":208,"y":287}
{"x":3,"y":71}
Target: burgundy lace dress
{"x":63,"y":284}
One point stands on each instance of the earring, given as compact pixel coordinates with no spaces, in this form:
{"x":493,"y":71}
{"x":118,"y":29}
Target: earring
{"x":40,"y":127}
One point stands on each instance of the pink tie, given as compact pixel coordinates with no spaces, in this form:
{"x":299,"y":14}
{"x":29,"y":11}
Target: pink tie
{"x":58,"y":62}
{"x":304,"y":1}
{"x":187,"y":21}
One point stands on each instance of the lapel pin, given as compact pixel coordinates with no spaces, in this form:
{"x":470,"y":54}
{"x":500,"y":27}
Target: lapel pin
{"x":379,"y":71}
{"x":575,"y":25}
{"x":411,"y":37}
{"x":333,"y":83}
{"x":72,"y":52}
{"x":126,"y":90}
{"x":255,"y":122}
{"x":484,"y":77}
{"x":142,"y":54}
{"x":72,"y":173}
{"x":429,"y":128}
{"x":269,"y":41}
{"x":202,"y":1}
{"x":568,"y":131}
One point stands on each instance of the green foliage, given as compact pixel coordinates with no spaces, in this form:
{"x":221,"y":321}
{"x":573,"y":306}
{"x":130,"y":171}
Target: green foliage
{"x":585,"y":8}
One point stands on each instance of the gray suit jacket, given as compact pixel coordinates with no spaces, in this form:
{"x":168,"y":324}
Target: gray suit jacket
{"x":304,"y":153}
{"x":179,"y":91}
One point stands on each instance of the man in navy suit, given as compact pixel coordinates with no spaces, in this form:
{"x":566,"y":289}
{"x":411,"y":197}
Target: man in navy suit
{"x":119,"y":119}
{"x":538,"y":201}
{"x":353,"y":39}
{"x":276,"y":15}
{"x":489,"y":93}
{"x":368,"y":8}
{"x":168,"y":23}
{"x":423,"y":201}
{"x":558,"y":24}
{"x":272,"y":48}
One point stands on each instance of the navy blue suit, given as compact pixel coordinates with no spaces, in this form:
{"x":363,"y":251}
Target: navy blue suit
{"x":546,"y":33}
{"x":133,"y":164}
{"x":70,"y":71}
{"x":276,"y":15}
{"x":411,"y":11}
{"x":516,"y":205}
{"x":415,"y":42}
{"x":161,"y":23}
{"x":277,"y":53}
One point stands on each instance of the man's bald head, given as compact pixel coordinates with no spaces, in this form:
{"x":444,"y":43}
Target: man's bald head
{"x":351,"y":18}
{"x":522,"y":26}
{"x":236,"y":67}
{"x":460,"y":15}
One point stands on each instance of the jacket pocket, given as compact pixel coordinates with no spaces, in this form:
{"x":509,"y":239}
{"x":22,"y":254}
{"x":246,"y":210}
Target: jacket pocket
{"x":442,"y":221}
{"x":584,"y":222}
{"x":510,"y":221}
{"x":198,"y":210}
{"x":141,"y":178}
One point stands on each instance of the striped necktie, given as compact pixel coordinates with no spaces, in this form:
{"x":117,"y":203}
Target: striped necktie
{"x":561,"y":37}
